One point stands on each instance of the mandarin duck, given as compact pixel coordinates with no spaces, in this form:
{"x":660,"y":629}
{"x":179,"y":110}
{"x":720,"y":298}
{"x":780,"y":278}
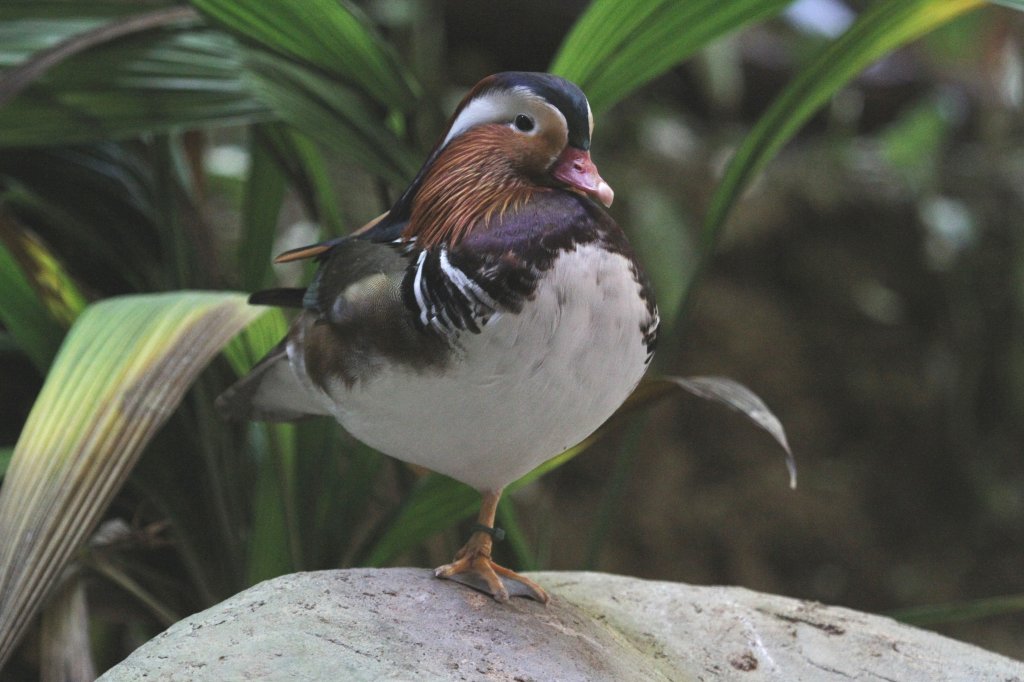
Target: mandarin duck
{"x":494,"y":317}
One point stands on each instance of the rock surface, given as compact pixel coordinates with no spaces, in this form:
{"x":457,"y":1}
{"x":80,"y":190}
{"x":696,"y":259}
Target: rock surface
{"x":402,"y":624}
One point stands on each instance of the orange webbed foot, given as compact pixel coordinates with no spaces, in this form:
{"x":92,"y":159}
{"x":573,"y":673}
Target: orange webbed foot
{"x":474,"y":568}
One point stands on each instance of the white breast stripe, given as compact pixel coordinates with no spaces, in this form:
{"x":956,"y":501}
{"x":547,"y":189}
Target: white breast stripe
{"x":441,"y":321}
{"x":417,"y":287}
{"x":466,"y":285}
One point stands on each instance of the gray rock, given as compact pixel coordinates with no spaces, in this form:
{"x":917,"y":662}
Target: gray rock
{"x":402,"y":624}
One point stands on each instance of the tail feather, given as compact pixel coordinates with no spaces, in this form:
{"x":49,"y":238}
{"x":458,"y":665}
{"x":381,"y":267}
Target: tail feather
{"x":270,"y":392}
{"x":288,"y":297}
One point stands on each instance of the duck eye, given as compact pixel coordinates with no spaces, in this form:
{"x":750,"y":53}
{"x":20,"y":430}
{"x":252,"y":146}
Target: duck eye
{"x":524,"y":123}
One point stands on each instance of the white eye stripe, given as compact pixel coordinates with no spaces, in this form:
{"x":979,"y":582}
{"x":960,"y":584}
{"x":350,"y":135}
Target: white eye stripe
{"x":486,"y":109}
{"x":500,"y":106}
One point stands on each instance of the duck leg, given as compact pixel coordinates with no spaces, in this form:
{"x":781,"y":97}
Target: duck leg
{"x":473,"y":565}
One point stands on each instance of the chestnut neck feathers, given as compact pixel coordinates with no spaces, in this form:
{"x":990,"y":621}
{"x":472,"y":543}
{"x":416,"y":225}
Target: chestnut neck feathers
{"x":479,"y":176}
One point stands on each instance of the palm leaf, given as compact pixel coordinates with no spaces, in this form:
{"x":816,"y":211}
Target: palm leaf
{"x":328,"y":35}
{"x":730,"y":393}
{"x":261,"y":204}
{"x":338,"y":485}
{"x":881,"y":29}
{"x":271,"y":547}
{"x":24,"y":74}
{"x":109,"y":226}
{"x":508,"y":519}
{"x":931,"y":615}
{"x":173,"y":78}
{"x":31,"y":26}
{"x":303,"y":161}
{"x":119,"y":375}
{"x":616,"y":47}
{"x":335,"y":115}
{"x":246,"y":349}
{"x":24,"y":309}
{"x":437,"y":502}
{"x":274,"y":546}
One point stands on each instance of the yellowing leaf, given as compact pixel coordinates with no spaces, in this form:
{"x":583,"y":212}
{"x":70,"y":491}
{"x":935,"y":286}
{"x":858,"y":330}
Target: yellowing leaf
{"x":39,"y":299}
{"x":121,"y":372}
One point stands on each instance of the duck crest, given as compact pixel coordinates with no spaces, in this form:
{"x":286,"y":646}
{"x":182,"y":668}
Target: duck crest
{"x":470,"y":183}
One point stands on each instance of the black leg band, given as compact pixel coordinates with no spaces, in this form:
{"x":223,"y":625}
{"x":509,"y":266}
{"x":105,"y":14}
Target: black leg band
{"x":497,"y":533}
